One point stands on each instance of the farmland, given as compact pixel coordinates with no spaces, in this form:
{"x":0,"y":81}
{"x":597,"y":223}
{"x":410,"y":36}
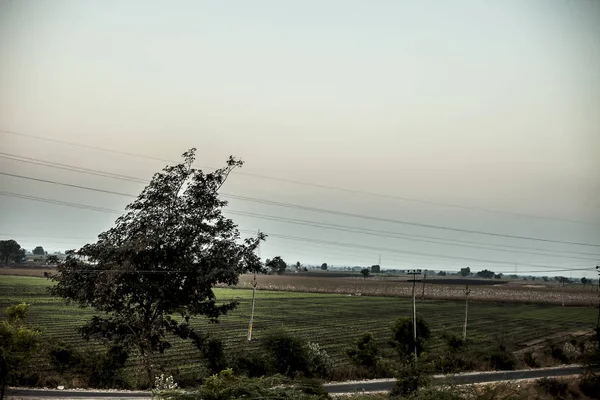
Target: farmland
{"x":332,"y":320}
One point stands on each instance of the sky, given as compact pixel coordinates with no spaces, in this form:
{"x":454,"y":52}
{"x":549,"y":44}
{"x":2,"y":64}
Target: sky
{"x":467,"y":115}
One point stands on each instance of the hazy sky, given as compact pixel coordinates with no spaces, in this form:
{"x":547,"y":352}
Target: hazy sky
{"x":482,"y":104}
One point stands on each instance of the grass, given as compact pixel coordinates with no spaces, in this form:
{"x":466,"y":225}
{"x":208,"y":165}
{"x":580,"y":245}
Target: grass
{"x":332,"y":320}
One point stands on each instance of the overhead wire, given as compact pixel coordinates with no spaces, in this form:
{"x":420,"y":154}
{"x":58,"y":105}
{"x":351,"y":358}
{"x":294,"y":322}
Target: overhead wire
{"x":326,"y":211}
{"x":140,"y":180}
{"x":321,"y":186}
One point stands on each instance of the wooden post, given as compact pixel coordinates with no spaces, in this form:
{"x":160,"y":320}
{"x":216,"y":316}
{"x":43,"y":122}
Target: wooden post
{"x":467,"y":292}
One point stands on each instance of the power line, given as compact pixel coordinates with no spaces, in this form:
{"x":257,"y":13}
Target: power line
{"x":321,"y":210}
{"x":374,"y":248}
{"x":321,"y":186}
{"x":389,"y":234}
{"x":379,"y":249}
{"x":140,"y":180}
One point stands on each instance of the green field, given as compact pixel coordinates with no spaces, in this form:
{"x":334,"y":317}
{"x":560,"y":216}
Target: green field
{"x":333,"y":321}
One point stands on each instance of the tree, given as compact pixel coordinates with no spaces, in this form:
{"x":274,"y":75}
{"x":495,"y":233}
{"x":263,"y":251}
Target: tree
{"x":52,"y":260}
{"x":17,"y":343}
{"x":324,"y":266}
{"x":11,"y":251}
{"x":498,"y":276}
{"x":487,"y":274}
{"x":163,"y":257}
{"x":375,"y":269}
{"x":403,"y":336}
{"x":441,"y":273}
{"x":366,"y":352}
{"x":298,"y":266}
{"x":465,"y":271}
{"x":276,"y":265}
{"x":365,"y":272}
{"x":584,"y":281}
{"x":39,"y":250}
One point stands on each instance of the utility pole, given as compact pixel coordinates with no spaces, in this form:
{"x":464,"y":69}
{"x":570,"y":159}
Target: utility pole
{"x":467,"y":292}
{"x":598,"y":321}
{"x":563,"y":279}
{"x":254,"y":284}
{"x":414,"y":273}
{"x":423,"y":291}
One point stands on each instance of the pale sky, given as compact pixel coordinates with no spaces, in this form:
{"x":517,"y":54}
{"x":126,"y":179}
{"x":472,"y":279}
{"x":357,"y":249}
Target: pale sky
{"x":485,"y":104}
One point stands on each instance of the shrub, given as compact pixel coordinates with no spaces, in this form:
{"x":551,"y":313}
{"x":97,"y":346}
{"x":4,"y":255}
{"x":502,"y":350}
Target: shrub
{"x":318,"y":361}
{"x":286,"y":354}
{"x":410,"y":379}
{"x":214,"y":353}
{"x":529,"y":360}
{"x":553,"y":387}
{"x":366,"y":352}
{"x":589,"y":385}
{"x":501,"y":359}
{"x":404,"y":337}
{"x":226,"y":386}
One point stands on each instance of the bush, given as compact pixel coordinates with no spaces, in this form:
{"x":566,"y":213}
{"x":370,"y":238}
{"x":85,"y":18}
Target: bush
{"x":529,"y":360}
{"x":318,"y":361}
{"x":226,"y":386}
{"x":501,"y":359}
{"x":366,"y":352}
{"x":553,"y":387}
{"x":404,"y":337}
{"x":589,"y":385}
{"x":214,"y":353}
{"x":410,"y":379}
{"x":292,"y":356}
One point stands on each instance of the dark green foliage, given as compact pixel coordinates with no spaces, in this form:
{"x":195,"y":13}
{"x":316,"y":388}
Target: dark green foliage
{"x":375,"y":269}
{"x":501,"y":359}
{"x":487,"y":274}
{"x":553,"y":387}
{"x":529,"y":360}
{"x":39,"y":251}
{"x":589,"y":385}
{"x":557,"y":353}
{"x":286,"y":352}
{"x":163,"y":257}
{"x":214,"y":353}
{"x":276,"y":265}
{"x":17,"y":344}
{"x":465,"y":271}
{"x":227,"y":386}
{"x":11,"y":251}
{"x":441,"y":273}
{"x":97,"y":369}
{"x":366,"y":352}
{"x":410,"y":378}
{"x":253,"y":364}
{"x":365,"y":272}
{"x":324,"y":266}
{"x":402,"y":334}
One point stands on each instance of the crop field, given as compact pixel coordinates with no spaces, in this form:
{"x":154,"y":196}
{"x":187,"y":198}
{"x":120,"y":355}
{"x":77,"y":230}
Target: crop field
{"x":332,"y":320}
{"x":439,"y":289}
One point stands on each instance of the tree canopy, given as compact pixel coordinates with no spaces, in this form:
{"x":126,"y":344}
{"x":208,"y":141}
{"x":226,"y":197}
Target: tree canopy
{"x":39,"y":250}
{"x":11,"y":251}
{"x":276,"y":265}
{"x":163,"y":257}
{"x":465,"y":271}
{"x":324,"y":266}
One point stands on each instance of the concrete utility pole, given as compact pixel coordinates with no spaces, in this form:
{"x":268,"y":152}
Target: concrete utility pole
{"x":414,"y":273}
{"x":467,"y":292}
{"x":598,"y":321}
{"x":254,"y":284}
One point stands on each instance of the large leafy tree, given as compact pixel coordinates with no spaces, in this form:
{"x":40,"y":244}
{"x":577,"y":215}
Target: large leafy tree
{"x":11,"y":251}
{"x":163,"y":257}
{"x":276,"y":265}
